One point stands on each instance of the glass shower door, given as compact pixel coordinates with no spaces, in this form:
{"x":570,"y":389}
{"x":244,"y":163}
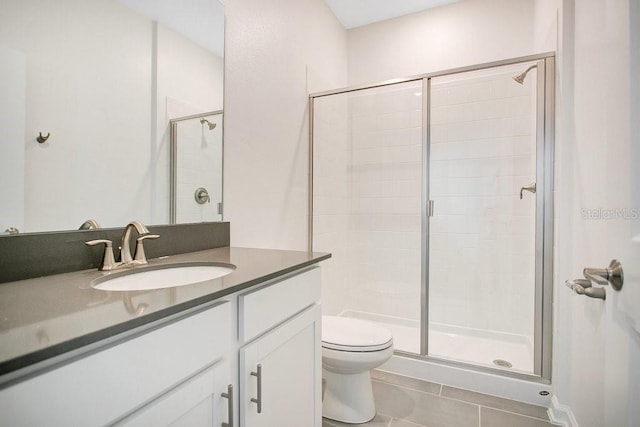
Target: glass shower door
{"x":367,"y":194}
{"x":482,"y":237}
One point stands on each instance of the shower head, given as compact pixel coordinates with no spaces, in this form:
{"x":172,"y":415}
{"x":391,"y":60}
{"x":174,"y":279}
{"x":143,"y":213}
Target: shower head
{"x":520,"y":77}
{"x":211,"y":125}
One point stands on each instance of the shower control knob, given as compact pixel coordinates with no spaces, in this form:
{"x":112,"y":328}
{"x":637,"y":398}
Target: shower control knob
{"x":202,"y":196}
{"x":530,"y":188}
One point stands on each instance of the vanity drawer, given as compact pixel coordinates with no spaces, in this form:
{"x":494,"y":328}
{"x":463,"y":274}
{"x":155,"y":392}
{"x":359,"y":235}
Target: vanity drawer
{"x":263,"y":308}
{"x":105,"y":386}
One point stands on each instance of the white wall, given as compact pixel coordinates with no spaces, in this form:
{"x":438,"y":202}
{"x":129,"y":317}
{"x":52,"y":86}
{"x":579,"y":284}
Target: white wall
{"x":13,"y":93}
{"x":277,"y":52}
{"x":464,"y":33}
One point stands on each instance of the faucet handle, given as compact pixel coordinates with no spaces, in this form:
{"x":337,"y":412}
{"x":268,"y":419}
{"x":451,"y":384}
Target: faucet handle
{"x":139,"y":256}
{"x":108,"y":260}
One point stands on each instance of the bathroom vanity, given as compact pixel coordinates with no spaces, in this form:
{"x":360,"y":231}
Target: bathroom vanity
{"x":240,"y":350}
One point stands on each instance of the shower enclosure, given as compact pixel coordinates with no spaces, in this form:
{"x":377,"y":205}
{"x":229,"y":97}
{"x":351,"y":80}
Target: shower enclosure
{"x":196,"y":168}
{"x":434,"y":194}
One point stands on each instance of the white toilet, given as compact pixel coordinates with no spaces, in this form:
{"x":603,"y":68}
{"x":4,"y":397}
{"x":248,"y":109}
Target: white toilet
{"x":350,"y":349}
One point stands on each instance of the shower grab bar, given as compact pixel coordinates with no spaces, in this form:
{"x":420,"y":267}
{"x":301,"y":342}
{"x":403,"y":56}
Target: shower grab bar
{"x":583,"y":287}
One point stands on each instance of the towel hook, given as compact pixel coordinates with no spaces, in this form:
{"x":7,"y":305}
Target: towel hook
{"x":42,"y":139}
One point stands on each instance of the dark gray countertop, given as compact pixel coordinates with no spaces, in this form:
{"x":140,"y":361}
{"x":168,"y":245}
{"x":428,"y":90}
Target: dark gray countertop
{"x":46,"y":317}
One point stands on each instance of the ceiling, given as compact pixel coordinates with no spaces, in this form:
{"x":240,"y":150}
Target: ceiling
{"x":356,"y":13}
{"x":209,"y":32}
{"x":201,"y":21}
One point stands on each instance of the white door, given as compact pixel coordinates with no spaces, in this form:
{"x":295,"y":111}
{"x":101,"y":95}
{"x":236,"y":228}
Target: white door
{"x":596,"y":370}
{"x":280,"y":375}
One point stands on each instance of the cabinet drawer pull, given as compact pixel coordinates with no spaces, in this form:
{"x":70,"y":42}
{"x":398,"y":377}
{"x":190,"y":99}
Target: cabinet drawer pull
{"x":258,"y":399}
{"x":229,"y":396}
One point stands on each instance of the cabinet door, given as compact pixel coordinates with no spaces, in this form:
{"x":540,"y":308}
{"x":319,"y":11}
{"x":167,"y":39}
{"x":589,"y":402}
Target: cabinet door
{"x":198,"y":402}
{"x":287,"y":391}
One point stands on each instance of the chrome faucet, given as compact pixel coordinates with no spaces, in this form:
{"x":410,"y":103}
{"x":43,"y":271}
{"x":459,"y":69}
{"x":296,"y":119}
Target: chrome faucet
{"x":139,"y":258}
{"x":125,"y":249}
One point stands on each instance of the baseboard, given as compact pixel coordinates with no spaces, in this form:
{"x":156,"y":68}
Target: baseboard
{"x":561,"y":414}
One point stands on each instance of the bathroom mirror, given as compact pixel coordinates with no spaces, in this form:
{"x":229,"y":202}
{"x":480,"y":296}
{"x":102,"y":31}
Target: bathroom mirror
{"x":87,"y":93}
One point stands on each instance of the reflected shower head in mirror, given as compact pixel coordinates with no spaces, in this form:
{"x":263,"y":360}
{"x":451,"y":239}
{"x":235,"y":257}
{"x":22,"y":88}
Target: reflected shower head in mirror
{"x":520,"y":77}
{"x":211,"y":125}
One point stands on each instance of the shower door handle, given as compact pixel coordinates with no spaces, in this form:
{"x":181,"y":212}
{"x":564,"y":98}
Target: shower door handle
{"x":530,"y":188}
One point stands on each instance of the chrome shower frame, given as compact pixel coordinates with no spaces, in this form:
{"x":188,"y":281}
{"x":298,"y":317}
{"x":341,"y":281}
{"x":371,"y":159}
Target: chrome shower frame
{"x":173,"y":153}
{"x":545,"y":143}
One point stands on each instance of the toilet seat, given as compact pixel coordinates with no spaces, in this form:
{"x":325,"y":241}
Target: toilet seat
{"x":347,"y":334}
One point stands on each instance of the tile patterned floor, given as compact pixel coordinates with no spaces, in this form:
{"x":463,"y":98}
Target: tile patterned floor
{"x":407,"y":402}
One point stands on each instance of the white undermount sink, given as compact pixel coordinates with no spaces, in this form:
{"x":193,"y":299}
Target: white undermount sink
{"x":163,"y":276}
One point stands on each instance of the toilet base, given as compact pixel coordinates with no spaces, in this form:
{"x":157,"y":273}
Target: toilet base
{"x":348,"y":398}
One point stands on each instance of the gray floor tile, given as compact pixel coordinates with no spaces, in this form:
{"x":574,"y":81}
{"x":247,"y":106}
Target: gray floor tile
{"x":495,"y":418}
{"x":408,"y":382}
{"x":495,"y":402}
{"x":378,"y":421}
{"x":423,"y":408}
{"x":402,"y":423}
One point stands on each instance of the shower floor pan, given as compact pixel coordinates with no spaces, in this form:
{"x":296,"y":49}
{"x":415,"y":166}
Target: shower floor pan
{"x":480,"y":347}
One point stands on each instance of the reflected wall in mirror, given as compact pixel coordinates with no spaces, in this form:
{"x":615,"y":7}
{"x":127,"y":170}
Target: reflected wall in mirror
{"x":103,"y":78}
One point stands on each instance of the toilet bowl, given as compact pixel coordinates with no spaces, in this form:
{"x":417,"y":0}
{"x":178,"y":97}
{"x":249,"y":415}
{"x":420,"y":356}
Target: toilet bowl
{"x":350,"y":349}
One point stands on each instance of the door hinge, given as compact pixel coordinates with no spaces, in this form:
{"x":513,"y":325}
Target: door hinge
{"x":430,"y":208}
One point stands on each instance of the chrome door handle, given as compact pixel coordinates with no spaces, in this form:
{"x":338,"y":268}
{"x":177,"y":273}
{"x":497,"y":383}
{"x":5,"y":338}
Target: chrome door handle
{"x":613,"y":275}
{"x":258,"y":400}
{"x":531,"y":188}
{"x":229,"y":396}
{"x":583,"y":287}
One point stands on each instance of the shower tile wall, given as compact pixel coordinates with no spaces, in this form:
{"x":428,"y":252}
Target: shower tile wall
{"x":481,"y":257}
{"x":385,"y":221}
{"x":331,"y":198}
{"x":367,"y":187}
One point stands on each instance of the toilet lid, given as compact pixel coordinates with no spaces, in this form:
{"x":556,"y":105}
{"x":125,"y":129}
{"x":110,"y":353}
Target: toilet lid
{"x":347,"y":334}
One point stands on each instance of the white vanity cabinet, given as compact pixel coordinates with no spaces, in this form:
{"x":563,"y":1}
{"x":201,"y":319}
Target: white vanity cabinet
{"x":251,"y":359}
